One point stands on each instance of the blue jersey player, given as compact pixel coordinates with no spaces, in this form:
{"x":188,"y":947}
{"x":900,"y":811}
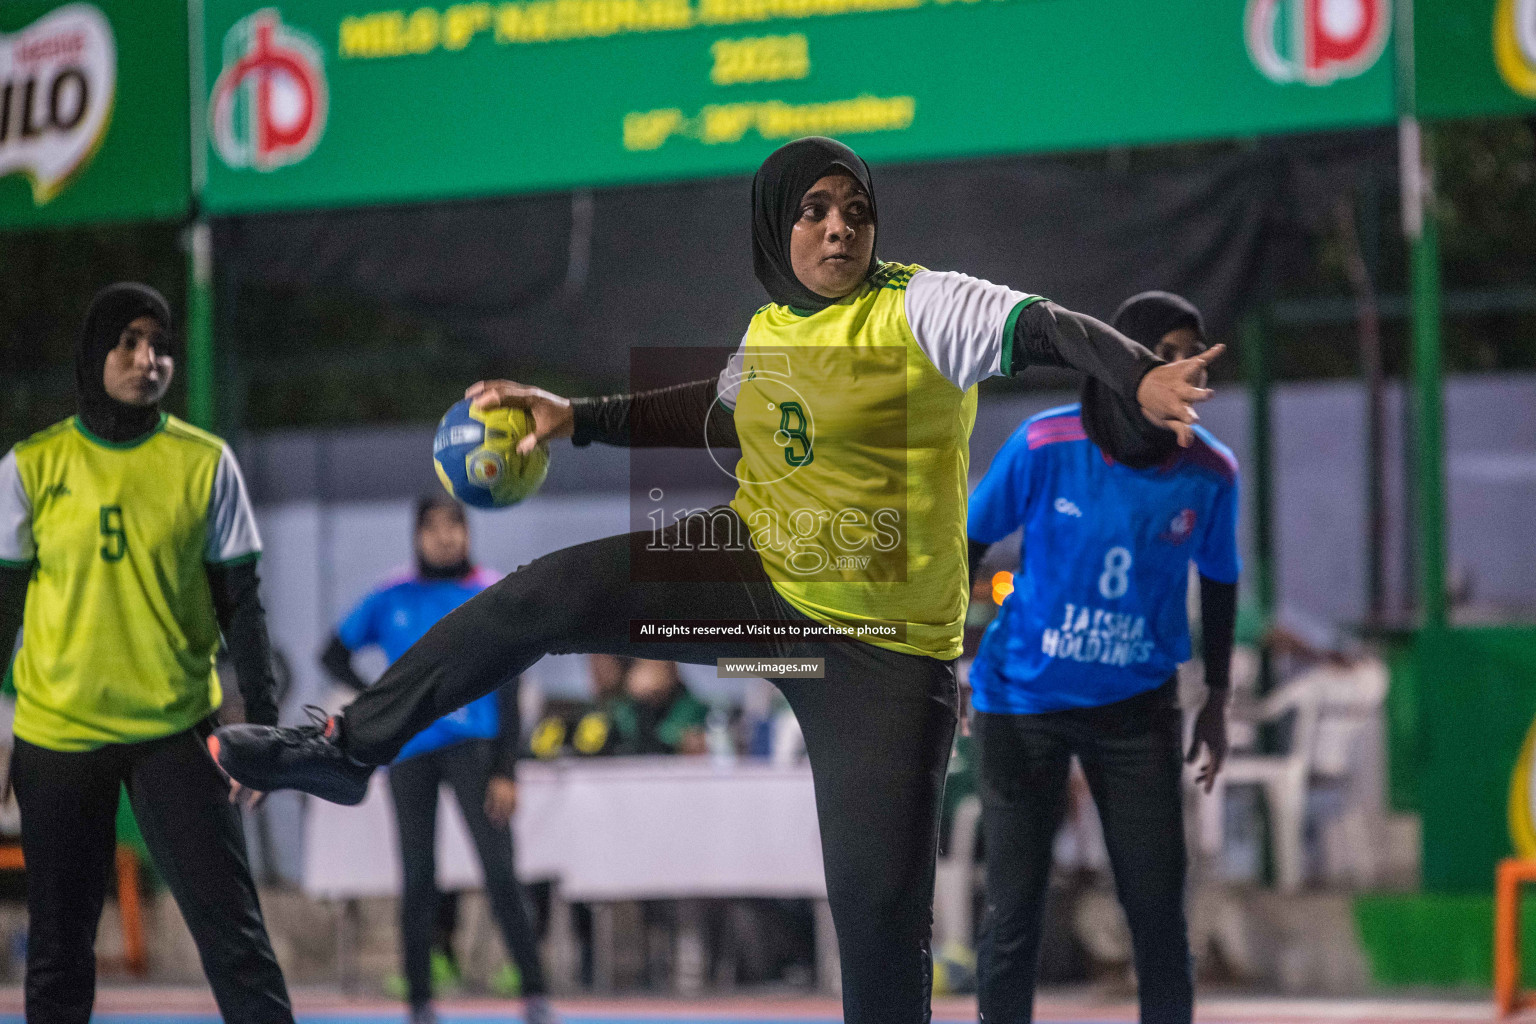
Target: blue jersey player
{"x":472,"y":749}
{"x":1082,"y":656}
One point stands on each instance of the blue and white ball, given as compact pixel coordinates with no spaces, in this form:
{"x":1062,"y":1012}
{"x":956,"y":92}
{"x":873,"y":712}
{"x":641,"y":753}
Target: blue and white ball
{"x":475,"y":452}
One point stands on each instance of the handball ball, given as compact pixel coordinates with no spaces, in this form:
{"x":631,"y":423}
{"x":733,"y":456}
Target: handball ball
{"x":475,"y":452}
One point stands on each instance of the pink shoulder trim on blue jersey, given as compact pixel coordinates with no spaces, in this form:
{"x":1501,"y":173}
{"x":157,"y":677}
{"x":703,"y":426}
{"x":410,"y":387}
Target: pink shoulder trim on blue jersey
{"x":1209,"y":457}
{"x":399,"y":575}
{"x":483,"y":577}
{"x":1055,"y":429}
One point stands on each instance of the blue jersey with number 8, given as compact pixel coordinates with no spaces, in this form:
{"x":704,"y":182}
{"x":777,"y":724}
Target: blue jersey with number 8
{"x":1098,"y":611}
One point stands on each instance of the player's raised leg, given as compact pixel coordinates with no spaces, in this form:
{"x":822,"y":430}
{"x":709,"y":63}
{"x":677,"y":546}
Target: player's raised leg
{"x":580,"y":599}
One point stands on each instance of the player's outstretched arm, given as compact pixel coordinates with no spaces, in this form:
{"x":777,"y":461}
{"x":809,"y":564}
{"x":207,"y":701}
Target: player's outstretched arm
{"x":1046,"y":334}
{"x":1168,"y":393}
{"x":682,"y":416}
{"x":552,"y":416}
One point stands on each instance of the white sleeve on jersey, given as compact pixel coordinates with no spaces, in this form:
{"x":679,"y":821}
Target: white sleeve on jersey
{"x":958,"y":321}
{"x":729,"y":384}
{"x":232,"y":533}
{"x":16,"y":544}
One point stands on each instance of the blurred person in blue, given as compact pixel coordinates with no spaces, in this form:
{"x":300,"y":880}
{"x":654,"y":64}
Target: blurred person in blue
{"x":474,"y":750}
{"x":1082,"y":660}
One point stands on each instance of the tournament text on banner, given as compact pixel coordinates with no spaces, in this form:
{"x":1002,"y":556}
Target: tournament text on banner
{"x":354,"y":102}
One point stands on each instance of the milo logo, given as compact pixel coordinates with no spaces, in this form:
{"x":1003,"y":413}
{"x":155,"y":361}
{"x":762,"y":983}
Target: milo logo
{"x":57,"y":81}
{"x":1316,"y":42}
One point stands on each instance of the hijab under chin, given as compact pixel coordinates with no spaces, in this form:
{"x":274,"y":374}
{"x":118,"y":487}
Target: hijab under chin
{"x":1117,"y":424}
{"x":113,"y":309}
{"x":427,"y":570}
{"x":780,"y":184}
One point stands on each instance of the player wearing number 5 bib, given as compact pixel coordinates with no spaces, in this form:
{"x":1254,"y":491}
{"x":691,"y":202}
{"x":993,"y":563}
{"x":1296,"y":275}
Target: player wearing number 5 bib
{"x":851,"y":401}
{"x":127,"y":545}
{"x":1081,"y":661}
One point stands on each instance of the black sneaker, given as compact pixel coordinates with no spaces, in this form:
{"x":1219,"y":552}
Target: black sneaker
{"x":267,"y":758}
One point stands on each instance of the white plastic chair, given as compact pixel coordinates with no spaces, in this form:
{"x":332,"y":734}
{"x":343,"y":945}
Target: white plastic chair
{"x":1335,"y":736}
{"x":1282,"y":777}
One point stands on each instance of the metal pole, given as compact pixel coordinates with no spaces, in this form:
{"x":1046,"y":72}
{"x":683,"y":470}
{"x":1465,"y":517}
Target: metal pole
{"x":199,"y":240}
{"x":1256,"y":367}
{"x":200,"y":324}
{"x":1368,"y":319}
{"x":1421,"y":227}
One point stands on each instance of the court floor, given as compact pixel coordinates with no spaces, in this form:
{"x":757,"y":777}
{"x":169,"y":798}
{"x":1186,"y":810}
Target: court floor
{"x":147,"y":1005}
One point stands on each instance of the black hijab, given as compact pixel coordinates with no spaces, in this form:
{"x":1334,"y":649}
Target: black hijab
{"x":1116,"y":424}
{"x":114,"y":308}
{"x":458,"y":570}
{"x":777,"y":189}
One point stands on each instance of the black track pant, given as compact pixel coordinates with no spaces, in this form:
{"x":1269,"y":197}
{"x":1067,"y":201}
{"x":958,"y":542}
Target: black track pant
{"x":414,"y":782}
{"x":1130,"y":755}
{"x":877,"y":729}
{"x":68,"y":813}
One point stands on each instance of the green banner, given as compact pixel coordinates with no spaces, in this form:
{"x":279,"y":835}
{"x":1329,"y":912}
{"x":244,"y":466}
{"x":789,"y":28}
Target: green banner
{"x":1475,"y":58}
{"x":93,"y":112}
{"x":341,"y":102}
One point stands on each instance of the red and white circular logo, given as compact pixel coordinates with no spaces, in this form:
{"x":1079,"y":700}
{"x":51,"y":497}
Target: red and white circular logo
{"x":1316,"y":42}
{"x":269,"y":102}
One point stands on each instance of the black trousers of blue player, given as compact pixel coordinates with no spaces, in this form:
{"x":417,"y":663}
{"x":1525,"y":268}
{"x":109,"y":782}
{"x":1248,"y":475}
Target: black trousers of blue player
{"x":878,"y":727}
{"x":415,"y":783}
{"x":68,"y":807}
{"x":1130,"y":755}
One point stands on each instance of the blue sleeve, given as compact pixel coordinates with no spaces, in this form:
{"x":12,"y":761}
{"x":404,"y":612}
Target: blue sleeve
{"x":360,"y":627}
{"x":1217,"y":558}
{"x":997,"y":506}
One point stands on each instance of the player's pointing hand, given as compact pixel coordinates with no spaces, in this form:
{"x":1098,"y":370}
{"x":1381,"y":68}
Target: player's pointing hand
{"x":1168,"y":393}
{"x":552,"y":415}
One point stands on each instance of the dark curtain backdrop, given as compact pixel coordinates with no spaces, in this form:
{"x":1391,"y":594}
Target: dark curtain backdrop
{"x":569,"y":283}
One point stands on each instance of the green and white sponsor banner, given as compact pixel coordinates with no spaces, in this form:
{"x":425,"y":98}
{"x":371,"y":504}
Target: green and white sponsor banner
{"x":349,"y":102}
{"x":93,"y":112}
{"x":1475,"y":58}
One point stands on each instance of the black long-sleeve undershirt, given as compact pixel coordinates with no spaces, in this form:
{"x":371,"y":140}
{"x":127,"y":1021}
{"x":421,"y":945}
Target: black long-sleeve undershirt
{"x":336,"y":659}
{"x":13,"y":602}
{"x":684,"y":415}
{"x":1046,"y":334}
{"x":237,"y":605}
{"x":1218,"y":625}
{"x":337,"y":662}
{"x":681,"y":416}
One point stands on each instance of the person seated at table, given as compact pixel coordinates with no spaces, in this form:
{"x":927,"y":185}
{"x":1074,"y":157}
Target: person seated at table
{"x":656,"y":714}
{"x":473,"y":749}
{"x":582,"y":727}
